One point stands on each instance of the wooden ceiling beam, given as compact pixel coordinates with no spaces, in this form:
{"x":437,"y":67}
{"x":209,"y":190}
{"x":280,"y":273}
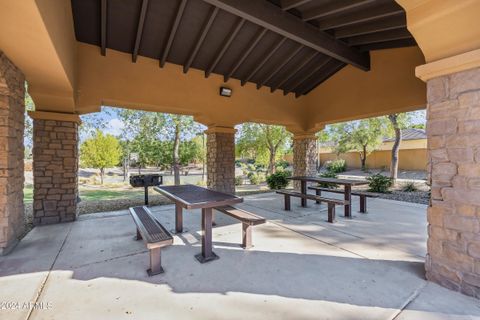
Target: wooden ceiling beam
{"x":370,"y":14}
{"x":267,"y":57}
{"x":173,"y":31}
{"x":383,"y":36}
{"x":334,"y":8}
{"x":280,"y":67}
{"x":391,"y":23}
{"x":245,"y":54}
{"x":389,"y":44}
{"x":304,"y":77}
{"x":201,"y":38}
{"x":226,"y":44}
{"x":141,"y":23}
{"x":329,"y":70}
{"x":295,"y":71}
{"x":292,"y":4}
{"x":103,"y":27}
{"x":271,"y":17}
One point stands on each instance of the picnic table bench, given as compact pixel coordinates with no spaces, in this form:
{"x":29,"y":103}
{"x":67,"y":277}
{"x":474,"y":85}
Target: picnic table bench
{"x":346,"y":183}
{"x":362,"y":195}
{"x":248,"y":220}
{"x":153,"y":234}
{"x":330,"y":201}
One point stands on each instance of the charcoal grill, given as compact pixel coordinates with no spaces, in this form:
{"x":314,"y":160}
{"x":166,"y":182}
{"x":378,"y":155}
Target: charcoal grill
{"x":145,"y":181}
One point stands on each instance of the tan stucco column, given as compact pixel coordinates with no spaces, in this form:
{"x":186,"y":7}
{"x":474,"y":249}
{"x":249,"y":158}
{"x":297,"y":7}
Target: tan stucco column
{"x":453,"y":130}
{"x":12,"y":110}
{"x":55,"y":167}
{"x":304,"y":156}
{"x":221,"y":158}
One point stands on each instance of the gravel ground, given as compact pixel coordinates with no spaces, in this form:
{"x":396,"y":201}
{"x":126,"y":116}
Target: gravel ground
{"x":422,"y":195}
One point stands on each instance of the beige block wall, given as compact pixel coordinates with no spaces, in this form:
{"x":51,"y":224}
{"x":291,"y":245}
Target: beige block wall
{"x":411,"y":159}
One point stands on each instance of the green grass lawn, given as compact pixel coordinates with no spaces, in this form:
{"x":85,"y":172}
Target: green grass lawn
{"x":94,"y":195}
{"x":91,"y":195}
{"x":28,"y":194}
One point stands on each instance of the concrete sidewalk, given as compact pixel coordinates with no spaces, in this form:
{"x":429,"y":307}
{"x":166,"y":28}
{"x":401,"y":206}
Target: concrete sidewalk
{"x":370,"y":267}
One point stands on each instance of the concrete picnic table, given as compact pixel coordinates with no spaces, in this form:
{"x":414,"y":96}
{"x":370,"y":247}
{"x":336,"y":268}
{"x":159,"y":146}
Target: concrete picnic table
{"x":194,"y":197}
{"x":346,"y":183}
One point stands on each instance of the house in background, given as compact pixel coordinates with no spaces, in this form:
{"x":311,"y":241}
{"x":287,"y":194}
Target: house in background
{"x":412,"y":155}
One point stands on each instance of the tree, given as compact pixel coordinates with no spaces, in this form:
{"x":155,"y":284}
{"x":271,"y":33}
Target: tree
{"x":396,"y":145}
{"x":176,"y":127}
{"x":100,"y":152}
{"x":362,"y":136}
{"x":261,"y":141}
{"x":398,"y":122}
{"x":141,"y":133}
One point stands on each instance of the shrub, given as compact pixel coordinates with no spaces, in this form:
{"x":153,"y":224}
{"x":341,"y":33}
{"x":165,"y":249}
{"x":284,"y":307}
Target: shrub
{"x":336,"y":166}
{"x":328,"y":174}
{"x":379,"y":183}
{"x":238,"y":180}
{"x":282,"y":164}
{"x":409,"y":187}
{"x":278,"y":180}
{"x":251,"y":167}
{"x":254,"y":178}
{"x":259,"y":167}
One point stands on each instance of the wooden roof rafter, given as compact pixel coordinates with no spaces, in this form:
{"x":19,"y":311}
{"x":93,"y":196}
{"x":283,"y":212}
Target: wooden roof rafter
{"x":292,"y":4}
{"x":296,"y":84}
{"x":245,"y":54}
{"x":280,"y":67}
{"x":369,"y":14}
{"x":103,"y":27}
{"x":266,"y":58}
{"x":201,"y":38}
{"x":173,"y":32}
{"x":271,"y":17}
{"x":385,"y":24}
{"x":335,"y":7}
{"x":141,"y":22}
{"x":292,"y":73}
{"x":226,"y":44}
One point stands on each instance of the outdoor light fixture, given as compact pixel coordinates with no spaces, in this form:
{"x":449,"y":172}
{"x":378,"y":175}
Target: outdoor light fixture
{"x":225,"y":92}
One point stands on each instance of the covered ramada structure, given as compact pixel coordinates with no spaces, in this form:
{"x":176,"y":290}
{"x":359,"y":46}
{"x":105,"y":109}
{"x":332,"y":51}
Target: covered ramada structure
{"x":297,"y":63}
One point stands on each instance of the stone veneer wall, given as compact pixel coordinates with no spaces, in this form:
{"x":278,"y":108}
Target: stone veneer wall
{"x":12,"y":113}
{"x":55,"y":171}
{"x":221,"y":161}
{"x":304,"y":158}
{"x":453,"y":129}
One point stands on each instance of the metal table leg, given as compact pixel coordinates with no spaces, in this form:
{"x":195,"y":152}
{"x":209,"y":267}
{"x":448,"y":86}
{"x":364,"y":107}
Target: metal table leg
{"x":207,"y":252}
{"x":178,"y":219}
{"x":303,"y":190}
{"x":348,"y":197}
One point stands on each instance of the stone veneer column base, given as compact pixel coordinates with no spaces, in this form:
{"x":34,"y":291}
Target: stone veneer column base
{"x":221,"y":159}
{"x":453,"y":129}
{"x":304,"y":157}
{"x":12,"y":113}
{"x":55,"y":170}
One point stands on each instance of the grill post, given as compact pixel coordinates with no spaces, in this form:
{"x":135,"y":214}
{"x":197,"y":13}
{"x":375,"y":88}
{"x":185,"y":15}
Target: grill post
{"x":146,"y":195}
{"x":145,"y":181}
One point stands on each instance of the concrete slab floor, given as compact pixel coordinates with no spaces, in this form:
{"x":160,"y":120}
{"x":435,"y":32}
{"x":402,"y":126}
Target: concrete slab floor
{"x":369,"y":267}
